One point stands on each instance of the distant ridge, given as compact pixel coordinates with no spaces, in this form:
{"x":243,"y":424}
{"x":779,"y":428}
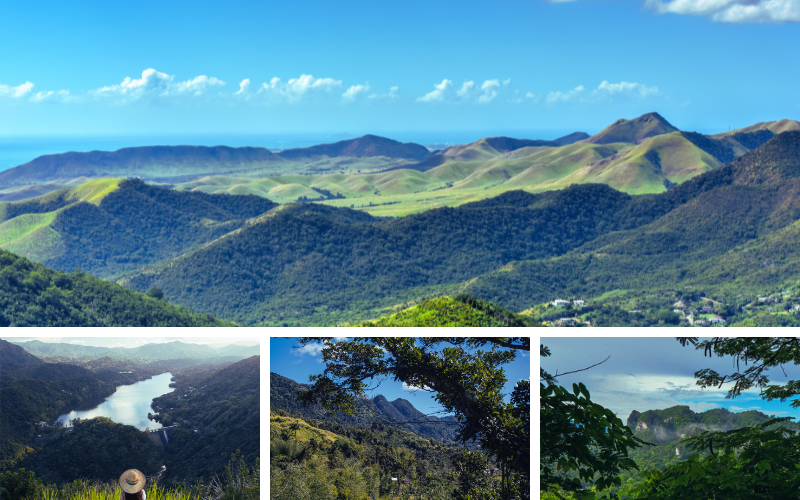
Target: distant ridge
{"x":507,"y":144}
{"x":633,"y":131}
{"x":368,"y":145}
{"x":378,"y":410}
{"x":194,"y":161}
{"x":571,"y":138}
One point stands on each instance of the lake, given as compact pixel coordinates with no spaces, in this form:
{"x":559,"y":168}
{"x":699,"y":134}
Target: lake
{"x":129,"y":405}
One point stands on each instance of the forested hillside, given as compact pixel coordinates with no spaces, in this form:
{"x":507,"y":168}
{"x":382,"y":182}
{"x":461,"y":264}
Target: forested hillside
{"x":119,"y":225}
{"x":32,"y":391}
{"x":33,"y":295}
{"x":734,"y":232}
{"x":223,"y":407}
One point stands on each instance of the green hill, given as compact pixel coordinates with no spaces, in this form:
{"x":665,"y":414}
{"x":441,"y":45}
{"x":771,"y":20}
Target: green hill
{"x":737,"y":218}
{"x":462,"y":311}
{"x":327,"y":267}
{"x":33,"y":295}
{"x":108,"y":226}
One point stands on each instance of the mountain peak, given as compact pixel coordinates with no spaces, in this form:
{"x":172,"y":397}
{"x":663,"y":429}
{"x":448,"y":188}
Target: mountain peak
{"x":633,"y":131}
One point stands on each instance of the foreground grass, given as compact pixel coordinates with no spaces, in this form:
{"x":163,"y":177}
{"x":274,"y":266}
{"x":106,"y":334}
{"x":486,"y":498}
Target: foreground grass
{"x":238,"y":483}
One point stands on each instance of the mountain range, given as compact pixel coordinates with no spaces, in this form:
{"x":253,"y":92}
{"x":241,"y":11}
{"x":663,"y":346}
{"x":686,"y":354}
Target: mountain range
{"x":145,"y":353}
{"x":726,"y":234}
{"x":378,"y":410}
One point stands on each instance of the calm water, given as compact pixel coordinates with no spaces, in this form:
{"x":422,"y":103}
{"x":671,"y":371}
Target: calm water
{"x":130,"y":404}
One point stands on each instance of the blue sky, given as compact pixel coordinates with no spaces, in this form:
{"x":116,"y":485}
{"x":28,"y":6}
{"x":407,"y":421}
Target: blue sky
{"x":653,"y":373}
{"x":298,"y":364}
{"x":530,"y":67}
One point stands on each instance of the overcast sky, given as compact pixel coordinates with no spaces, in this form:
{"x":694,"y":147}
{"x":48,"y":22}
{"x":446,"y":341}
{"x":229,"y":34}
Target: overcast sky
{"x":653,"y":373}
{"x":365,"y":66}
{"x":298,"y":363}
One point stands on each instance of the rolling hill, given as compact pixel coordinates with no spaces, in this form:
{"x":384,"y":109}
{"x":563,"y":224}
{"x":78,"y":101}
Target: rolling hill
{"x":739,"y":235}
{"x":108,"y":226}
{"x":649,"y":156}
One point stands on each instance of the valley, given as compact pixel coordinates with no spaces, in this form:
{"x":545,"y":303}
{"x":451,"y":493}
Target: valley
{"x":210,"y":407}
{"x":630,"y":219}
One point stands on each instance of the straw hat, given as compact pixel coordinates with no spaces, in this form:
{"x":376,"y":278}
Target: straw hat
{"x":131,"y":481}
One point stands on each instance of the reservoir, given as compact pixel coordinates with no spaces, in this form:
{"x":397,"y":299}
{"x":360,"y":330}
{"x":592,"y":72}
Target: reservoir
{"x":129,"y":405}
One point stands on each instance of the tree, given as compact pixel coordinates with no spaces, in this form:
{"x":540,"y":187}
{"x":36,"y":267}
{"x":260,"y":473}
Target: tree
{"x":758,"y":462}
{"x":467,"y":381}
{"x":155,"y":292}
{"x":579,"y":437}
{"x":294,"y":427}
{"x":761,"y":353}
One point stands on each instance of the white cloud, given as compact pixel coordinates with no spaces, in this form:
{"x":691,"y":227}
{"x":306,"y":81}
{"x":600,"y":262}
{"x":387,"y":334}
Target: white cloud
{"x":506,"y":82}
{"x":554,"y":97}
{"x":197,"y":85}
{"x":154,"y":84}
{"x":442,"y":90}
{"x":340,"y":339}
{"x":297,"y":88}
{"x":605,"y":90}
{"x":310,"y":349}
{"x":394,"y":93}
{"x":489,"y":91}
{"x":528,"y":97}
{"x":407,"y":387}
{"x":244,"y":87}
{"x":351,"y":93}
{"x":16,"y":92}
{"x":469,"y":92}
{"x":625,"y":88}
{"x":733,"y":11}
{"x":52,"y":95}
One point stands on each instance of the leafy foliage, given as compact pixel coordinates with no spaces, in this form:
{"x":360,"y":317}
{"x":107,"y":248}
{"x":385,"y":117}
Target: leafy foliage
{"x":466,"y":383}
{"x":461,"y":310}
{"x":580,"y":438}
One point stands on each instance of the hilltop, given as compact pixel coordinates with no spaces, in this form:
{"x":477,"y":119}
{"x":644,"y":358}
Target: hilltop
{"x":462,"y":310}
{"x":633,"y":131}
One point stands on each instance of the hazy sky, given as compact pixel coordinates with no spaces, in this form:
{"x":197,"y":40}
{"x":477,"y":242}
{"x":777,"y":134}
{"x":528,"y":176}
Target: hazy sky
{"x":137,"y":341}
{"x":653,"y":373}
{"x":152,"y":67}
{"x":298,"y":363}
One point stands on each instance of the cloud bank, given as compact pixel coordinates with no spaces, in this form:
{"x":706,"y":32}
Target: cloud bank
{"x":732,"y":11}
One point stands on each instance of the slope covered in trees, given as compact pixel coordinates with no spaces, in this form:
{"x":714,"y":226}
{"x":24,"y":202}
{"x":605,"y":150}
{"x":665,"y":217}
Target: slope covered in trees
{"x":223,"y":406}
{"x":461,"y":310}
{"x":119,"y":225}
{"x":33,"y":295}
{"x":731,"y":229}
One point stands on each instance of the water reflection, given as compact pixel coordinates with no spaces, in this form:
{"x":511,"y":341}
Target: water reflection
{"x":129,"y":405}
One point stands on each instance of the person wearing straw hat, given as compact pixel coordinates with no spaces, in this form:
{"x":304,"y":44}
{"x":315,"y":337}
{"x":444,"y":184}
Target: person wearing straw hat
{"x":132,"y":483}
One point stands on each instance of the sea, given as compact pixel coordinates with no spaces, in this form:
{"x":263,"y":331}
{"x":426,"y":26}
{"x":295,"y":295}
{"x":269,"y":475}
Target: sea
{"x":17,"y":150}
